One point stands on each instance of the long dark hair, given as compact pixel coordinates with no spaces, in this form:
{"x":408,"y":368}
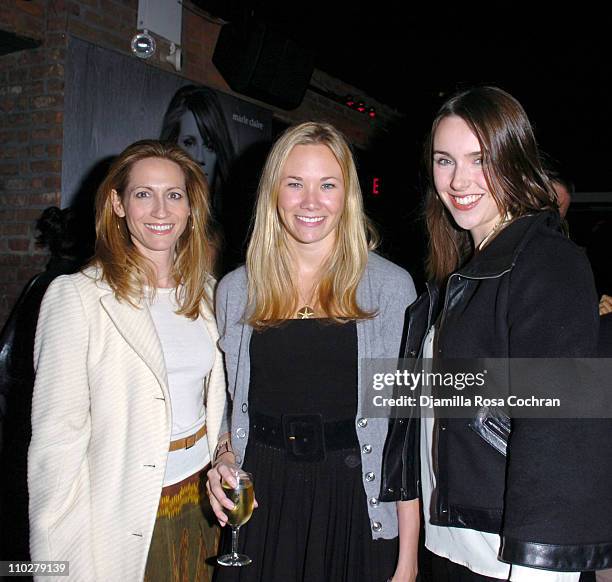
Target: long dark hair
{"x":204,"y":104}
{"x":511,"y":164}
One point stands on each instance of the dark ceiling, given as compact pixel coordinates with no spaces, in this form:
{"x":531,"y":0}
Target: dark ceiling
{"x":558,"y":66}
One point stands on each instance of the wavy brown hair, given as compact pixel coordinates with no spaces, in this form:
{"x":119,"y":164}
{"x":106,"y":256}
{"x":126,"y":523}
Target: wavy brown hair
{"x":512,"y":168}
{"x":273,"y":292}
{"x":123,"y":267}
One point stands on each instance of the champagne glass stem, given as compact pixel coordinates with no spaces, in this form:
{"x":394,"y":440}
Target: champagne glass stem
{"x":235,"y":529}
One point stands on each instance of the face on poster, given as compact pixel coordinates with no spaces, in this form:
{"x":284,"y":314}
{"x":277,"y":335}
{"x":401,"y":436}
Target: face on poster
{"x":113,"y":100}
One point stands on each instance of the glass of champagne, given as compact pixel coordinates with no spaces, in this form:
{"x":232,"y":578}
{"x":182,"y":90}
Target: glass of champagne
{"x":243,"y":498}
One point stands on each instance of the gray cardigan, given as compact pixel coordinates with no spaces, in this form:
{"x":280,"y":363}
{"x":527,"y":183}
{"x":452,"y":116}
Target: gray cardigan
{"x":384,"y":288}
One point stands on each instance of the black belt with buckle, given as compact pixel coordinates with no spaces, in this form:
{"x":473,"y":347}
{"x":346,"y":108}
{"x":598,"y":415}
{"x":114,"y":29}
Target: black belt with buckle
{"x":305,"y":437}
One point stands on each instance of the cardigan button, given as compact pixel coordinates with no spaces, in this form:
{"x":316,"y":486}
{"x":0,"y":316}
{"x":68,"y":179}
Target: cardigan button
{"x":241,"y":432}
{"x":374,"y":501}
{"x":369,"y":476}
{"x":412,"y":353}
{"x":362,"y":422}
{"x":366,"y":449}
{"x":376,"y":526}
{"x":245,"y":407}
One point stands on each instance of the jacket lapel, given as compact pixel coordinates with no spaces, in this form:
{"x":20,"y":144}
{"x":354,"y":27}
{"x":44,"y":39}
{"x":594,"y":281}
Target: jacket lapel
{"x":136,"y":327}
{"x":209,"y":321}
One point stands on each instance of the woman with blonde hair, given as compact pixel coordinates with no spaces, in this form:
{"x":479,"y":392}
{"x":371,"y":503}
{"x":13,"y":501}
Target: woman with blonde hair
{"x":312,"y":301}
{"x":130,"y":389}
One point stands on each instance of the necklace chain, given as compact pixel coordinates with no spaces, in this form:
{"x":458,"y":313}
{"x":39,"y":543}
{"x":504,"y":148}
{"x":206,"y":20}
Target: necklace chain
{"x":306,"y":311}
{"x":502,"y":221}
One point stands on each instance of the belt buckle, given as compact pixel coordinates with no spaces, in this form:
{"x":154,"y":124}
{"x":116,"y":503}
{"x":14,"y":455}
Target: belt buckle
{"x":304,"y":437}
{"x":190,"y":441}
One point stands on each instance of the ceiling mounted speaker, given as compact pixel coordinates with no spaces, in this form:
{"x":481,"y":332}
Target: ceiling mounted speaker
{"x":257,"y":60}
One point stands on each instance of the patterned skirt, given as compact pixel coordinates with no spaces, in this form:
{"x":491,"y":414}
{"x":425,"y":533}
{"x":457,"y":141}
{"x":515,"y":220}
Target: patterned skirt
{"x":185,"y":538}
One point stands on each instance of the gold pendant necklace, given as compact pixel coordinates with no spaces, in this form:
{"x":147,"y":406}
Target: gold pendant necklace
{"x":307,"y":312}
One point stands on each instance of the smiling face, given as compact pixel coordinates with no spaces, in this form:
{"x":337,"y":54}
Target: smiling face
{"x":311,"y":197}
{"x":459,"y":178}
{"x":155,"y":207}
{"x":198,"y":146}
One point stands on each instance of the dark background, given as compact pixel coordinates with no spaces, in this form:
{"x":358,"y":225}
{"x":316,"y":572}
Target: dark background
{"x":412,"y":57}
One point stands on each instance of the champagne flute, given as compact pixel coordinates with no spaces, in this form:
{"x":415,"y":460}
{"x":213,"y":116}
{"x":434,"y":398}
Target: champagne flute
{"x":243,"y":498}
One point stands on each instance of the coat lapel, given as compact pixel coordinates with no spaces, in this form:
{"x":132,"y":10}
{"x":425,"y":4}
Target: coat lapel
{"x":209,"y":321}
{"x":215,"y":383}
{"x":136,"y":327}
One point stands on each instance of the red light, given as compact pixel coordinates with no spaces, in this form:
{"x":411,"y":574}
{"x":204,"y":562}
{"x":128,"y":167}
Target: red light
{"x":372,"y":112}
{"x":361,"y":107}
{"x":376,"y":187}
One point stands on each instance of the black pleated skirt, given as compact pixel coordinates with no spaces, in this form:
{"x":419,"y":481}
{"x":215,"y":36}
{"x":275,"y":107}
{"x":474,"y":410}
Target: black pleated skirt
{"x":312,"y":523}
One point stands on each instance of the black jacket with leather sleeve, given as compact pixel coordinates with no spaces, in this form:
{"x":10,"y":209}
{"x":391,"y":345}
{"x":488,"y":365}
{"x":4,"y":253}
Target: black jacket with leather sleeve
{"x":528,"y":294}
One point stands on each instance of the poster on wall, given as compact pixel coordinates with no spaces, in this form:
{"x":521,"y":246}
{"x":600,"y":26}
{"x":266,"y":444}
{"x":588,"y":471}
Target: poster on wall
{"x":113,"y":100}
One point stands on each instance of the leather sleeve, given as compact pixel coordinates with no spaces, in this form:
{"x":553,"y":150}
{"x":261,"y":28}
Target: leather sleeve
{"x":401,"y":462}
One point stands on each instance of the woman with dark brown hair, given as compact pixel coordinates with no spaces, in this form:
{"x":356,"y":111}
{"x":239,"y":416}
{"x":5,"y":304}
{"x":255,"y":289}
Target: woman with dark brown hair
{"x":532,"y":502}
{"x":195,"y":121}
{"x":130,"y":389}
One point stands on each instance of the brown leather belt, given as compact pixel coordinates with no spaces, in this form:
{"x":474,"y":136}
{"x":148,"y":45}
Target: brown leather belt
{"x":188,"y":441}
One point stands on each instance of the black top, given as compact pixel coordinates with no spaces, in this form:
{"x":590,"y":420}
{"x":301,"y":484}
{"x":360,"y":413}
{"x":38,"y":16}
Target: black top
{"x":305,"y":366}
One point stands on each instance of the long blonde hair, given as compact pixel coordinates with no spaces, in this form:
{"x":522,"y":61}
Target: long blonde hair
{"x":123,"y":267}
{"x":272,"y":291}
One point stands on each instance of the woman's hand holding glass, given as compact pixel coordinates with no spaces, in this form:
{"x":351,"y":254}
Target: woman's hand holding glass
{"x":239,"y":484}
{"x":240,"y":489}
{"x":223,"y":470}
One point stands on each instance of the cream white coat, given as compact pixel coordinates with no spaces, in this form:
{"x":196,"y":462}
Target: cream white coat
{"x":101,"y":422}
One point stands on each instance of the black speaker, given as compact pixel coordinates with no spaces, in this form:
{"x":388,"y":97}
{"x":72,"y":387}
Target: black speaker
{"x":258,"y":60}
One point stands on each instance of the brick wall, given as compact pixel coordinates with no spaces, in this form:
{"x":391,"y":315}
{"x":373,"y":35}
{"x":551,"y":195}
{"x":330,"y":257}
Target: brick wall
{"x":31,"y":100}
{"x":31,"y":109}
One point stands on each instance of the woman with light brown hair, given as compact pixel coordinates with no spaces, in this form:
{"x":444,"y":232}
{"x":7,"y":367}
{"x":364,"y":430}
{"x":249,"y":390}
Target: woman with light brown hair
{"x":312,"y":301}
{"x":130,"y":388}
